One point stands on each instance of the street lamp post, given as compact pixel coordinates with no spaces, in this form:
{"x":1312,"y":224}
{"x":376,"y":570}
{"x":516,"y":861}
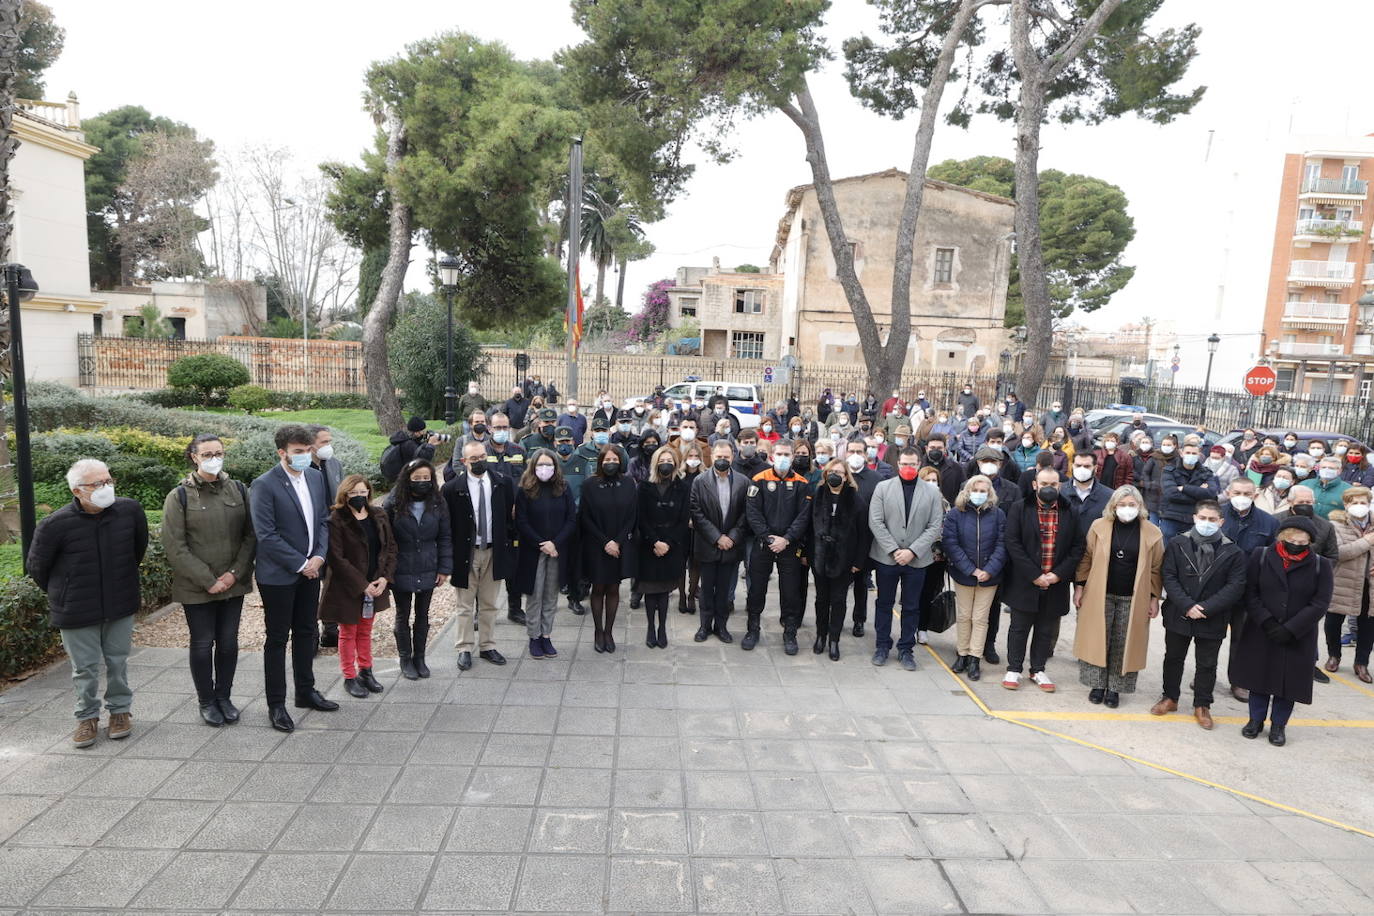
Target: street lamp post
{"x":20,"y":287}
{"x":1173,"y":370}
{"x":448,"y":279}
{"x":1212,"y":340}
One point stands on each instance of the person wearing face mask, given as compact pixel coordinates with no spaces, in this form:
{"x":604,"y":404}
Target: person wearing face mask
{"x":1261,"y":465}
{"x":209,"y":541}
{"x":424,"y":559}
{"x":689,"y":588}
{"x":825,"y":405}
{"x":1085,"y":492}
{"x":607,"y":531}
{"x":477,"y":431}
{"x":1249,"y":526}
{"x":1044,"y":546}
{"x":290,"y":513}
{"x":323,"y":460}
{"x":688,"y":435}
{"x":358,"y":572}
{"x":1113,"y":465}
{"x":664,"y":523}
{"x":576,"y":423}
{"x":722,"y":433}
{"x":1225,"y":470}
{"x":481,"y":510}
{"x":467,"y":404}
{"x":749,"y":461}
{"x":516,"y":406}
{"x":716,"y":504}
{"x":841,"y":424}
{"x":1079,"y":434}
{"x":1277,"y":496}
{"x":972,"y":541}
{"x":892,"y":403}
{"x":1303,"y":466}
{"x":1327,"y":485}
{"x":405,"y":445}
{"x":1291,"y":444}
{"x":966,"y":443}
{"x":967,"y":402}
{"x":778,"y":509}
{"x":1186,"y":483}
{"x":1354,"y":469}
{"x":768,"y":430}
{"x":797,"y":430}
{"x":1353,"y":576}
{"x":1116,"y":590}
{"x":622,"y":433}
{"x":545,"y":423}
{"x":1288,"y":590}
{"x":86,"y":556}
{"x":1247,"y":446}
{"x":839,"y":544}
{"x":951,"y":472}
{"x":1204,"y":585}
{"x":1317,"y":449}
{"x":1054,"y":417}
{"x":905,"y":515}
{"x":546,"y":519}
{"x":1028,"y":447}
{"x":642,"y":457}
{"x":1147,"y":473}
{"x":574,"y":464}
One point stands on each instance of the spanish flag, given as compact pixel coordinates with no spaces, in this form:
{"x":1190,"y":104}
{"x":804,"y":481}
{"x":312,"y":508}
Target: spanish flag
{"x":581,"y":307}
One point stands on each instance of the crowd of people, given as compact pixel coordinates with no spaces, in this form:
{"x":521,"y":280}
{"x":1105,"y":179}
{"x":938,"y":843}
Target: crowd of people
{"x":1008,"y":509}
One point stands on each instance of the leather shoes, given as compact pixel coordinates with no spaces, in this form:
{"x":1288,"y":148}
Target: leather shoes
{"x":516,"y":617}
{"x":577,"y":607}
{"x":635,"y":601}
{"x":315,"y":700}
{"x":355,"y":688}
{"x":464,"y":661}
{"x":1277,"y":737}
{"x":819,"y":645}
{"x":228,"y":710}
{"x":1320,"y":676}
{"x":858,"y":629}
{"x":1111,"y":699}
{"x":975,"y":670}
{"x":723,"y":634}
{"x":750,"y":640}
{"x":1252,"y":728}
{"x":701,"y":634}
{"x":491,"y":655}
{"x":408,"y":669}
{"x":1096,"y":694}
{"x":960,"y":664}
{"x":366,"y":678}
{"x":1203,"y":716}
{"x":1166,"y":706}
{"x":789,"y":643}
{"x":834,"y":650}
{"x":1240,"y":693}
{"x":280,"y":719}
{"x":990,"y":656}
{"x":211,"y":714}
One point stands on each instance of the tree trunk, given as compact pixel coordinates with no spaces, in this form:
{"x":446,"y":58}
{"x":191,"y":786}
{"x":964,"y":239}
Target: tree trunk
{"x":881,"y":372}
{"x":381,"y":391}
{"x":620,"y":284}
{"x":9,"y":56}
{"x":899,"y":338}
{"x":600,"y":281}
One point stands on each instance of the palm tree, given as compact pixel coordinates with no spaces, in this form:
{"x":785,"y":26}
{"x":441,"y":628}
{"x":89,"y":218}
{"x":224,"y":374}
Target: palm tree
{"x":608,"y":224}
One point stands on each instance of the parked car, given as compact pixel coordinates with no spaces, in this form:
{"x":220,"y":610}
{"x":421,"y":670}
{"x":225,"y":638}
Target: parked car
{"x":1097,"y":420}
{"x":746,"y":404}
{"x":1122,"y":427}
{"x":1304,"y":436}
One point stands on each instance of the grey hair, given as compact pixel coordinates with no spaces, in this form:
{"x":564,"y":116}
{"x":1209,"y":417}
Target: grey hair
{"x":961,"y":500}
{"x":82,"y":468}
{"x":1118,"y":495}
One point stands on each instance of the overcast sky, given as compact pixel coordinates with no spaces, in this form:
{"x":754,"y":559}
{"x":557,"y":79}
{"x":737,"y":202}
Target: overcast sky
{"x":290,"y":74}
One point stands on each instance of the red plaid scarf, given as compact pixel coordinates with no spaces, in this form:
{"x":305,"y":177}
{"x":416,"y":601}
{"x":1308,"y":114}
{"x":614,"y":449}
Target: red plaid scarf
{"x":1049,"y":532}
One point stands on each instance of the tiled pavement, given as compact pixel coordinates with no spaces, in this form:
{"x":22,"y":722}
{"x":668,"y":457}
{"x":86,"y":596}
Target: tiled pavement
{"x":696,"y":779}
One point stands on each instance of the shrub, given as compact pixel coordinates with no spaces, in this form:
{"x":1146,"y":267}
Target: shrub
{"x":174,"y":397}
{"x":276,"y":400}
{"x":208,"y":373}
{"x":249,"y":398}
{"x":144,"y":479}
{"x":169,"y":450}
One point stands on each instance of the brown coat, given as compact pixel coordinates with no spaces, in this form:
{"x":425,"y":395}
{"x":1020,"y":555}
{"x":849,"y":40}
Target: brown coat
{"x":1352,"y":570}
{"x":1090,"y":638}
{"x":345,"y":576}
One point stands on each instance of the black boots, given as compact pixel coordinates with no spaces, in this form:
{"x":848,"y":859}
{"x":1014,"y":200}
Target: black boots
{"x":355,"y":688}
{"x":1252,"y":728}
{"x":403,"y":650}
{"x":960,"y":664}
{"x":834,"y":650}
{"x":974,"y":671}
{"x":819,"y":645}
{"x":368,"y":681}
{"x":211,"y":713}
{"x":1277,"y":736}
{"x":418,"y":653}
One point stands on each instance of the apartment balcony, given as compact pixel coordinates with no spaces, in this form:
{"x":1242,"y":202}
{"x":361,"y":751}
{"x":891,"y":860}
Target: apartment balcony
{"x":1301,"y":350}
{"x":1333,"y":190}
{"x":1369,"y":274}
{"x":1327,"y":230}
{"x":1315,"y":316}
{"x":1321,"y":273}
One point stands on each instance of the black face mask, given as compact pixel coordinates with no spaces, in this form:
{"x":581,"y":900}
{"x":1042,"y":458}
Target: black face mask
{"x":611,"y":468}
{"x":479,"y":468}
{"x":801,"y":463}
{"x":1295,"y":549}
{"x":834,"y":480}
{"x":648,"y":448}
{"x":421,"y":488}
{"x":935,"y":456}
{"x":546,"y":432}
{"x":1048,"y":495}
{"x":1305,"y":510}
{"x":565,"y":448}
{"x":666,"y":469}
{"x":479,"y":428}
{"x":517,"y":397}
{"x":721,"y":464}
{"x":357,"y":502}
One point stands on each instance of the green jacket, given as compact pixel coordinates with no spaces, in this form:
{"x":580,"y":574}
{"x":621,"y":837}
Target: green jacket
{"x":1328,"y":494}
{"x":211,"y":536}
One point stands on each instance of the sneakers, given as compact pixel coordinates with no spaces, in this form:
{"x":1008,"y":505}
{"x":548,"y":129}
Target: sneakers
{"x":87,"y":730}
{"x":1012,"y":680}
{"x":907,"y":660}
{"x":1044,"y":681}
{"x":121,"y":725}
{"x":922,"y":637}
{"x":880,"y":658}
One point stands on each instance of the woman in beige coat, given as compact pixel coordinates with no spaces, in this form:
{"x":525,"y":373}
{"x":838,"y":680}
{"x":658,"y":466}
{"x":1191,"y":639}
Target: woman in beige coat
{"x":1116,"y":591}
{"x":1353,"y":574}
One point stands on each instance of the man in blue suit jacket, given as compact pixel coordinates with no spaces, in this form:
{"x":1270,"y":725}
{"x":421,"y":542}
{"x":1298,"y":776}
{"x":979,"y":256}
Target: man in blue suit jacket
{"x":291,"y":517}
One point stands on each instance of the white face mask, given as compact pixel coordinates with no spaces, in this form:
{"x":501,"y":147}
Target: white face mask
{"x":1109,"y":446}
{"x":1127,"y":513}
{"x":103,"y":497}
{"x":324,"y":452}
{"x":693,"y":463}
{"x":1167,"y":449}
{"x":989,"y":468}
{"x":1242,"y":503}
{"x":1082,"y":475}
{"x":212,"y":465}
{"x":1355,"y":510}
{"x":855,"y":462}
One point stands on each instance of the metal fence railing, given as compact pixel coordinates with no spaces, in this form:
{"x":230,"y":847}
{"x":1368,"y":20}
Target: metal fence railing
{"x":279,"y":364}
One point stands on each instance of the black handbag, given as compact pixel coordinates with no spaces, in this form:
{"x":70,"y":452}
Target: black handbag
{"x":942,"y":610}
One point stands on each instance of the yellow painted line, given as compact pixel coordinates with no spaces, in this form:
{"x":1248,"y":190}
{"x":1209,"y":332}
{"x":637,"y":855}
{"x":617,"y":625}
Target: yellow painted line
{"x":1121,"y":755}
{"x":1349,"y":683}
{"x":1042,"y":715}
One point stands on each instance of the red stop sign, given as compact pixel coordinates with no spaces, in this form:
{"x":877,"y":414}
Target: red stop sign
{"x":1260,"y":380}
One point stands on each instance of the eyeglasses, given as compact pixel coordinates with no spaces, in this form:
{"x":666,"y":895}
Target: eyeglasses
{"x":206,"y":455}
{"x":107,"y":482}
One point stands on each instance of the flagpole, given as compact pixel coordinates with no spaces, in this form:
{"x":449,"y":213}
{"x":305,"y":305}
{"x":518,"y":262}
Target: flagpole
{"x":574,"y":213}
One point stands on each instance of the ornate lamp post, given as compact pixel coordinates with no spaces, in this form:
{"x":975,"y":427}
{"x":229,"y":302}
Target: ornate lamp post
{"x":1212,"y":341}
{"x":448,"y":279}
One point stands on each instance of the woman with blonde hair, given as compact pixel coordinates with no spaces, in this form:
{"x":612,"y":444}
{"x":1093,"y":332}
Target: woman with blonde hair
{"x":360,"y":566}
{"x":840,"y":539}
{"x":1274,"y":497}
{"x":972,"y":539}
{"x":1117,"y":590}
{"x":665,"y":533}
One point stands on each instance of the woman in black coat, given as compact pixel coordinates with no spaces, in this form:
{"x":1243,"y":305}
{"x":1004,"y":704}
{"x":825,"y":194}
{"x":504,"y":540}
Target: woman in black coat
{"x":839,"y":541}
{"x":1287,"y":592}
{"x":692,"y":464}
{"x":642,"y":456}
{"x":665,"y":536}
{"x":424,"y":559}
{"x":607,"y":523}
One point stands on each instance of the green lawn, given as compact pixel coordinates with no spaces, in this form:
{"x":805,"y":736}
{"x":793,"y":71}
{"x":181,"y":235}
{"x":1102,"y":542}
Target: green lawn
{"x":360,"y":424}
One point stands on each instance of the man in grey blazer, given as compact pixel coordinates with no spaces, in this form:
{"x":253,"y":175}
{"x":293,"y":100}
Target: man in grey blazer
{"x":717,"y":507}
{"x":905,"y":514}
{"x":291,"y":518}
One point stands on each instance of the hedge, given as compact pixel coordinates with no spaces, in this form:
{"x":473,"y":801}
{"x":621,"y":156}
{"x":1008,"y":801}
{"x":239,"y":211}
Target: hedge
{"x":26,"y":637}
{"x":276,"y":400}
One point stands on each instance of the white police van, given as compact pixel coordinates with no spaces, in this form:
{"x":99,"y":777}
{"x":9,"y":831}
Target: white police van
{"x":746,"y":404}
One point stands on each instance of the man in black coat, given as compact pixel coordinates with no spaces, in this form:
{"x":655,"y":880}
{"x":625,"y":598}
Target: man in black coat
{"x":86,"y":556}
{"x":951,"y":474}
{"x":516,"y":407}
{"x":867,"y":478}
{"x":1204,"y":582}
{"x":1088,"y":495}
{"x":1044,"y":546}
{"x":481,"y":508}
{"x":1186,"y":482}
